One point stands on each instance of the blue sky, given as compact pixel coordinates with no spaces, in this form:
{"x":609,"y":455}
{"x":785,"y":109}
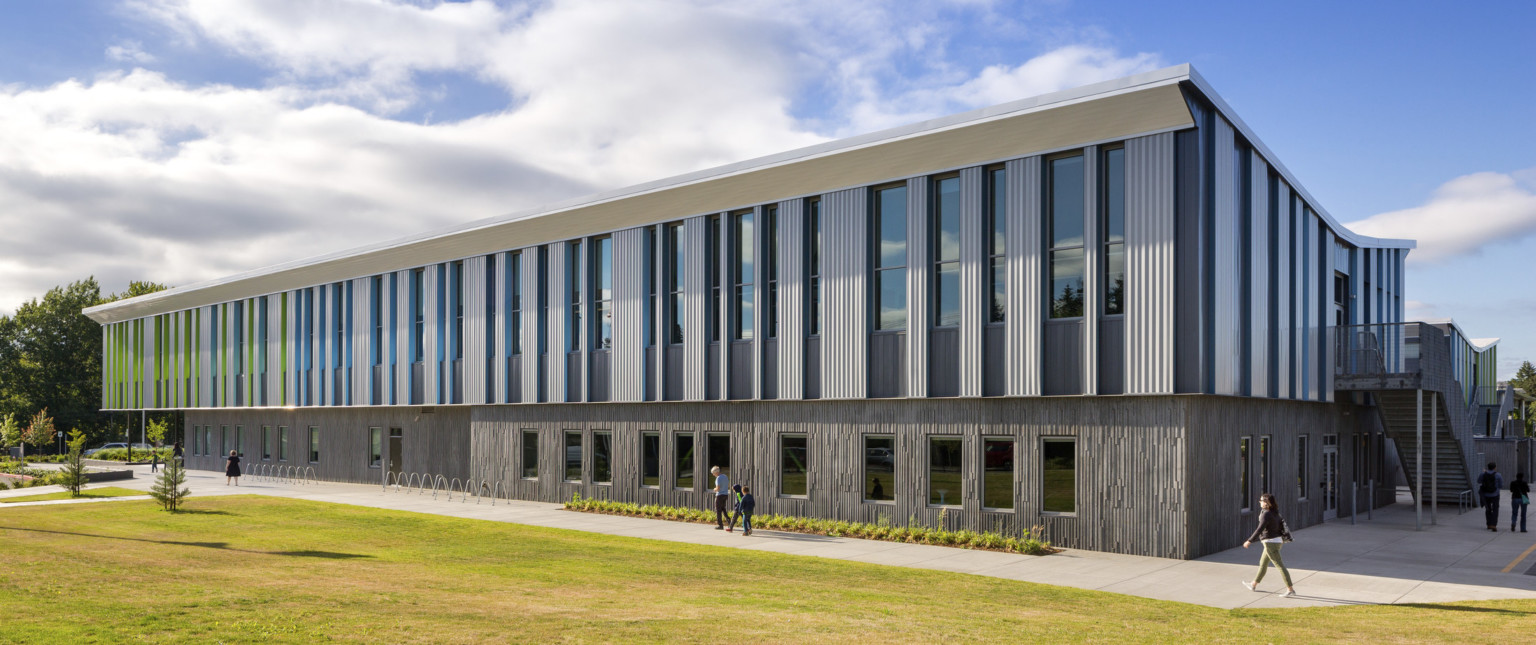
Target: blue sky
{"x":180,"y":140}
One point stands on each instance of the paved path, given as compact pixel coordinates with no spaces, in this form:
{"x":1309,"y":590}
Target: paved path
{"x":1379,"y":561}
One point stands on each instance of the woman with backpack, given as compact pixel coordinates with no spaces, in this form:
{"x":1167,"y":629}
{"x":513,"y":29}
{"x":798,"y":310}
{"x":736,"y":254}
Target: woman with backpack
{"x":1272,"y":533}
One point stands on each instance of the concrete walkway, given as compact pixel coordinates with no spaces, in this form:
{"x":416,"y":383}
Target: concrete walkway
{"x":1373,"y":562}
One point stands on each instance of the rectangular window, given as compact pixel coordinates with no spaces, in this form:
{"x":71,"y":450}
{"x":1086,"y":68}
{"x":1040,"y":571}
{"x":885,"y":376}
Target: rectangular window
{"x":1242,"y":470}
{"x":879,"y":468}
{"x":1112,"y":197}
{"x":997,"y":193}
{"x":530,"y":454}
{"x":266,"y":443}
{"x":890,"y":259}
{"x":514,"y":273}
{"x":1264,"y":473}
{"x":813,"y":267}
{"x":457,"y":295}
{"x":573,"y":284}
{"x":744,"y":275}
{"x":676,"y":264}
{"x":240,"y":440}
{"x":418,"y":315}
{"x":712,"y":275}
{"x":1301,"y":467}
{"x":683,"y":449}
{"x":282,"y":443}
{"x":602,"y":457}
{"x":997,"y":473}
{"x":652,"y":287}
{"x":945,"y":217}
{"x":375,"y":447}
{"x":944,"y":471}
{"x":376,"y":302}
{"x":1065,"y":223}
{"x":650,"y":459}
{"x":771,"y":269}
{"x":1059,"y":471}
{"x":314,"y":445}
{"x":572,"y":456}
{"x":793,"y":468}
{"x":602,"y":293}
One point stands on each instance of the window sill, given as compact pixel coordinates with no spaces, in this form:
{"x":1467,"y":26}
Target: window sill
{"x":783,"y":496}
{"x":941,"y":507}
{"x":881,"y":502}
{"x":1059,"y":513}
{"x":986,"y":509}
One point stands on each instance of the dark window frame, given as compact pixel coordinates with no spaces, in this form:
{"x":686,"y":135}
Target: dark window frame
{"x":675,"y":240}
{"x":743,"y":274}
{"x":645,"y":437}
{"x":1044,"y":442}
{"x":864,"y":469}
{"x":1012,"y":469}
{"x":523,"y":462}
{"x":879,"y":272}
{"x":812,"y":294}
{"x":1111,"y":303}
{"x":601,"y":298}
{"x":769,"y":230}
{"x":314,"y":444}
{"x":941,"y":264}
{"x":600,"y":437}
{"x":945,"y":501}
{"x":804,"y":466}
{"x":995,"y":184}
{"x":1053,"y":249}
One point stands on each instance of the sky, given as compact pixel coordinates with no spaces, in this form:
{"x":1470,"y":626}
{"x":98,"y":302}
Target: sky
{"x":183,"y":140}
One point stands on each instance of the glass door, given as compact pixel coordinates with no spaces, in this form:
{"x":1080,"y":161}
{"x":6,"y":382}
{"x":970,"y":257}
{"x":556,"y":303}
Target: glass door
{"x":1330,"y":480}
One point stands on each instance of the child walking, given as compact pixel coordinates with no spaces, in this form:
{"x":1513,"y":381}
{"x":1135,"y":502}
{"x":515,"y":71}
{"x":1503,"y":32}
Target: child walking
{"x":735,"y":508}
{"x":747,"y":505}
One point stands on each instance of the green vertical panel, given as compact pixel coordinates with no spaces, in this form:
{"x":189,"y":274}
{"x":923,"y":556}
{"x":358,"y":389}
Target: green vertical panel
{"x":197,"y":354}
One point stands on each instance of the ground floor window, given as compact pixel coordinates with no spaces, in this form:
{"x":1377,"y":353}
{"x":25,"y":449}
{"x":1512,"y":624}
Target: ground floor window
{"x":793,"y":467}
{"x":197,"y":440}
{"x":602,"y":455}
{"x":944,"y":473}
{"x":266,"y":443}
{"x":879,"y":468}
{"x":572,"y":456}
{"x":683,"y":451}
{"x":240,"y":440}
{"x":530,"y":454}
{"x":997,"y":473}
{"x":1301,"y":467}
{"x":224,"y":441}
{"x":314,"y":445}
{"x":282,"y":443}
{"x":1264,"y":474}
{"x":1242,"y":472}
{"x":1058,"y":469}
{"x":375,"y":447}
{"x":650,"y":459}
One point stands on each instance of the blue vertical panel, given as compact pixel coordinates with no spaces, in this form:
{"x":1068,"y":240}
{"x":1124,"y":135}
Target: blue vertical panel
{"x":1325,"y":349}
{"x":626,"y":374}
{"x":921,"y":216}
{"x":974,"y":267}
{"x":558,"y":298}
{"x":1285,"y":304}
{"x":791,"y":304}
{"x":1093,"y":252}
{"x":1024,"y":322}
{"x":845,"y":280}
{"x":1149,"y":264}
{"x":1259,"y":276}
{"x":1309,"y":299}
{"x":1227,"y":244}
{"x":529,"y":332}
{"x":696,"y":297}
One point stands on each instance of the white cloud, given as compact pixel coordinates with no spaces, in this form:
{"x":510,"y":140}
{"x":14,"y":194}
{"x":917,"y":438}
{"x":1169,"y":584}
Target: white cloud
{"x":129,"y":52}
{"x":1464,"y":216}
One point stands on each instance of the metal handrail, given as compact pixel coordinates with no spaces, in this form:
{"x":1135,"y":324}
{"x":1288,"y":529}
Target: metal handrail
{"x":1463,"y":501}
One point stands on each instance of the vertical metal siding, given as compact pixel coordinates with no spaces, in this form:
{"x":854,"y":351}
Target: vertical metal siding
{"x":760,"y":296}
{"x":1306,"y":244}
{"x":1025,"y":263}
{"x":1149,"y":264}
{"x":727,"y":256}
{"x":1284,"y":260}
{"x":1227,"y":304}
{"x":530,"y":324}
{"x":474,"y":339}
{"x":628,"y":374}
{"x":432,"y":359}
{"x":695,"y":305}
{"x":1325,"y":318}
{"x":581,"y":331}
{"x":360,"y":370}
{"x":204,"y":358}
{"x":792,"y":314}
{"x":403,"y":313}
{"x":920,"y":278}
{"x":1092,"y":265}
{"x":845,"y":284}
{"x":227,"y":339}
{"x":974,"y":266}
{"x":559,"y":302}
{"x":1258,"y":254}
{"x":658,"y":350}
{"x":498,"y":305}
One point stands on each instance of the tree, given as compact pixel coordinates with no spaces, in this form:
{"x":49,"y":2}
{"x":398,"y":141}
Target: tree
{"x":168,"y":488}
{"x":10,"y":432}
{"x":40,"y":432}
{"x":155,"y":432}
{"x":72,"y":476}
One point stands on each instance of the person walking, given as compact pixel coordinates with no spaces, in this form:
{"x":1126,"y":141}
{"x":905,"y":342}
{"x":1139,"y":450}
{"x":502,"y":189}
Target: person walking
{"x":722,"y":491}
{"x":154,"y":459}
{"x":1272,"y":534}
{"x":1488,"y":486}
{"x":1519,"y":499}
{"x":232,"y":471}
{"x":176,"y":451}
{"x":747,"y":506}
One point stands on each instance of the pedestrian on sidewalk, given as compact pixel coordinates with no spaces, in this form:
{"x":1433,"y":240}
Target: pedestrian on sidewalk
{"x":154,"y":459}
{"x":1519,"y":499}
{"x":735,"y":506}
{"x":232,"y":471}
{"x":747,"y":506}
{"x":176,"y":451}
{"x":722,"y":491}
{"x":1272,"y":533}
{"x":1488,"y":486}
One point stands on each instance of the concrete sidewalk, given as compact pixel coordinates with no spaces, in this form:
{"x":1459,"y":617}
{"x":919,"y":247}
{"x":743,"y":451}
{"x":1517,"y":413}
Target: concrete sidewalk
{"x":1373,"y":562}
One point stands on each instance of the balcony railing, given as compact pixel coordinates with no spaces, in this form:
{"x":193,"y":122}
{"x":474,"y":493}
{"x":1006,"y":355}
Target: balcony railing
{"x":1381,"y":349}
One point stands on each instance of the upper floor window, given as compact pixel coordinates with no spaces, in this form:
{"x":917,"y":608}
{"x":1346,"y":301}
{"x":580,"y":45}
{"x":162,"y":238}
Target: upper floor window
{"x":339,"y":338}
{"x":1064,"y":180}
{"x":813,"y":267}
{"x":376,"y":311}
{"x":770,"y":233}
{"x":743,"y":275}
{"x":712,"y":275}
{"x":602,"y":292}
{"x":418,"y":315}
{"x":1113,"y":198}
{"x":573,"y":285}
{"x":890,"y":255}
{"x":946,"y":252}
{"x":490,"y":308}
{"x":458,"y":310}
{"x":676,"y":246}
{"x":514,"y":291}
{"x":997,"y":193}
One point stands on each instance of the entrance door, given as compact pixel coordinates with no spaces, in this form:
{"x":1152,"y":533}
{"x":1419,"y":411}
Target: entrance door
{"x":1330,"y":481}
{"x":394,"y":451}
{"x":718,"y":453}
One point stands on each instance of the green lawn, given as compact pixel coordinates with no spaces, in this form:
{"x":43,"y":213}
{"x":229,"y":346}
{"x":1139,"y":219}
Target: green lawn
{"x":255,"y":569}
{"x":104,"y":491}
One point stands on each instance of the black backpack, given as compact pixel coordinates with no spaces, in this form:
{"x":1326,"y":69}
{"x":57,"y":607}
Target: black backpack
{"x":1487,"y":485}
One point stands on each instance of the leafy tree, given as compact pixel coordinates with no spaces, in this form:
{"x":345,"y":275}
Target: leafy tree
{"x":72,"y":476}
{"x":155,"y":432}
{"x":41,"y":431}
{"x":168,"y":488}
{"x":10,"y":432}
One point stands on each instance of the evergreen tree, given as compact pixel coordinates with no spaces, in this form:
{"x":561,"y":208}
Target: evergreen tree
{"x":168,"y":487}
{"x":72,"y":476}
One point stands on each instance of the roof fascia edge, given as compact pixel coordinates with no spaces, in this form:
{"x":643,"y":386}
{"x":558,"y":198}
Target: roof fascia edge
{"x":1274,"y":162}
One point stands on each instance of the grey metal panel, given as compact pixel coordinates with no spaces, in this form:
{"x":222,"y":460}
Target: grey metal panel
{"x":204,"y":358}
{"x":400,"y":394}
{"x":530,"y":325}
{"x":790,"y":365}
{"x":500,"y":292}
{"x":1023,"y":322}
{"x":994,"y":361}
{"x":434,"y":390}
{"x":1190,"y":260}
{"x":559,"y":303}
{"x":1284,"y":283}
{"x":1111,"y":372}
{"x":756,"y":363}
{"x":712,"y":372}
{"x":945,"y":361}
{"x":739,"y":378}
{"x":719,"y":360}
{"x":361,"y":371}
{"x":474,"y":339}
{"x":629,"y":378}
{"x":1306,"y":310}
{"x":227,"y":379}
{"x":813,"y":368}
{"x":919,"y":297}
{"x":696,"y":306}
{"x":1258,"y":285}
{"x":577,"y":392}
{"x":672,"y":382}
{"x":1226,"y":328}
{"x":888,"y":364}
{"x":768,"y":389}
{"x":845,"y":330}
{"x":1063,"y":373}
{"x":973,"y":266}
{"x":1149,"y":264}
{"x":1093,"y":300}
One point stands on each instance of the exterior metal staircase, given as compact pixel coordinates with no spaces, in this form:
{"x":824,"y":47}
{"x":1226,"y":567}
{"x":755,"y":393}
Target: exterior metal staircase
{"x":1393,"y":362}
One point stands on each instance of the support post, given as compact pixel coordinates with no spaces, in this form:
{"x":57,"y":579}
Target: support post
{"x":1434,"y":460}
{"x":1354,"y":501}
{"x":1418,"y":470}
{"x":1370,"y":500}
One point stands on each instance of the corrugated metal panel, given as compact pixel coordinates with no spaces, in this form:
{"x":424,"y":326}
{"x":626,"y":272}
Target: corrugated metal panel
{"x":474,"y":330}
{"x":1325,"y":308}
{"x":919,"y":282}
{"x":845,"y":334}
{"x":973,"y":266}
{"x":1149,"y":264}
{"x":581,"y":331}
{"x":554,"y":361}
{"x":696,"y":305}
{"x":1306,"y":274}
{"x":500,"y":291}
{"x":359,"y":330}
{"x":433,"y":354}
{"x":1258,"y":253}
{"x":204,"y":358}
{"x":792,"y":258}
{"x":726,"y":256}
{"x":659,"y":255}
{"x":628,"y":368}
{"x":1025,"y":261}
{"x":1225,"y":275}
{"x":401,"y":394}
{"x":1284,"y":282}
{"x":760,"y":310}
{"x":1093,"y":300}
{"x":530,"y":324}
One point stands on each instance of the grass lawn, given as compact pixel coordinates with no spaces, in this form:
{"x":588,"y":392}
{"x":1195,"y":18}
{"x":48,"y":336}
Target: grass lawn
{"x":258,"y":569}
{"x":104,"y":491}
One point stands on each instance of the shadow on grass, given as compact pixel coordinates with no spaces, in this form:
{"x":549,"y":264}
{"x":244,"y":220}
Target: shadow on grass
{"x":200,"y":511}
{"x":223,"y":546}
{"x":1480,"y":610}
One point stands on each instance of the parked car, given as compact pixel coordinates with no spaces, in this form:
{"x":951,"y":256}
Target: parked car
{"x":999,"y":455}
{"x":881,"y":456}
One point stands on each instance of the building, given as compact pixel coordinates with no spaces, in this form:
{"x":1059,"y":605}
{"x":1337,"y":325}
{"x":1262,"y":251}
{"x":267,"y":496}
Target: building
{"x":1109,"y":312}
